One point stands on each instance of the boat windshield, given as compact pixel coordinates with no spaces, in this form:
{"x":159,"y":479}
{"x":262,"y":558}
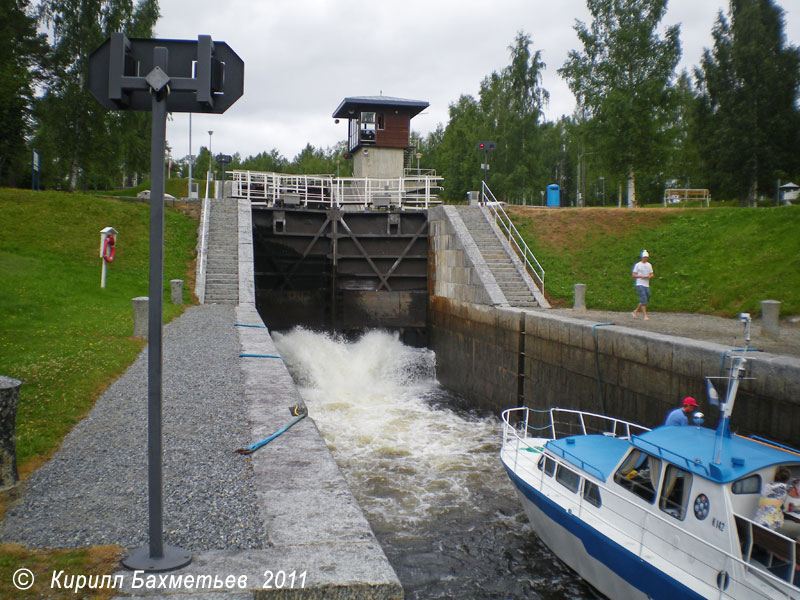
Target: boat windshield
{"x":640,"y":473}
{"x":675,"y":492}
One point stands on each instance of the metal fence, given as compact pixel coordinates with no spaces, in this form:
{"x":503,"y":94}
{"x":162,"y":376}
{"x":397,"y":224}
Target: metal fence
{"x":416,"y":191}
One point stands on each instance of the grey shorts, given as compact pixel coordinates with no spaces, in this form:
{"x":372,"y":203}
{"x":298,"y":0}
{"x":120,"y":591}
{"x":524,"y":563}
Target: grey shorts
{"x":644,"y":294}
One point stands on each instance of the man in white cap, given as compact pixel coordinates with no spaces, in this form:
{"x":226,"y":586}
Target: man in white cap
{"x":642,"y":273}
{"x":680,"y":416}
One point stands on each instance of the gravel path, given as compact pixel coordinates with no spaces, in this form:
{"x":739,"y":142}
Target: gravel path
{"x":94,"y":490}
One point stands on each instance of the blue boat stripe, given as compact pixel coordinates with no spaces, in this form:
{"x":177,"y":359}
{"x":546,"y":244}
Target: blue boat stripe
{"x":636,"y":571}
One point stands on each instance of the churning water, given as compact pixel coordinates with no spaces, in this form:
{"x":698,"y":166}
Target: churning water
{"x":425,"y":471}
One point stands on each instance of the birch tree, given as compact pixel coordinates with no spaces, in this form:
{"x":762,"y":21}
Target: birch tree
{"x":622,"y":81}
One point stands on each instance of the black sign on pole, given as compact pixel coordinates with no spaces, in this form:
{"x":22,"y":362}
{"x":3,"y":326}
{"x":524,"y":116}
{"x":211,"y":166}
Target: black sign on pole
{"x":161,"y":76}
{"x":486,"y":147}
{"x":223,"y":159}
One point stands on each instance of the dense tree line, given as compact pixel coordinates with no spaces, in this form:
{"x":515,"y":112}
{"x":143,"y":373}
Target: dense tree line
{"x":310,"y":160}
{"x":731,"y":125}
{"x":79,"y":143}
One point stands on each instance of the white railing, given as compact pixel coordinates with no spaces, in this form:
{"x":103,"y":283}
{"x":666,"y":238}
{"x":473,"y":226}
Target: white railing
{"x":514,"y":238}
{"x":202,"y":252}
{"x":327,"y":191}
{"x":556,"y":423}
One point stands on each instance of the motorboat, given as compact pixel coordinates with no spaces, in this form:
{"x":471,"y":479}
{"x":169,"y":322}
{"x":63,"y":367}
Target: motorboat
{"x":660,"y":513}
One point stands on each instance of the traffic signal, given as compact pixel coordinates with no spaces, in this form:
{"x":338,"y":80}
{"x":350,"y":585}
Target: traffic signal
{"x":487,"y":146}
{"x":347,"y":155}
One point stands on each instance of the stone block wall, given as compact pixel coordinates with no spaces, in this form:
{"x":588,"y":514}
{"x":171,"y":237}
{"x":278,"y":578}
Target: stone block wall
{"x":456,"y":268}
{"x":477,"y":351}
{"x":503,"y":357}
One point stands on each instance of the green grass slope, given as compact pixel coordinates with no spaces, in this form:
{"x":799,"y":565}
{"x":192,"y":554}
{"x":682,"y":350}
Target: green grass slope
{"x":716,"y":260}
{"x":63,"y":335}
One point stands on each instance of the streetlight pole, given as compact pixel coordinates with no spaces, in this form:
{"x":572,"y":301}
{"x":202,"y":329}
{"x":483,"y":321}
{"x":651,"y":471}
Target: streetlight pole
{"x":210,"y":158}
{"x":191,"y":160}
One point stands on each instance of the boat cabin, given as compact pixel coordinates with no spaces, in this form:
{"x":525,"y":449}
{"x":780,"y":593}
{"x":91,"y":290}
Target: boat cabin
{"x":668,"y":512}
{"x":674,"y":473}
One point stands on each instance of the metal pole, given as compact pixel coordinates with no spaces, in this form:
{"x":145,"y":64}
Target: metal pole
{"x":155,"y":558}
{"x":210,"y":160}
{"x":154,"y":346}
{"x":190,"y":155}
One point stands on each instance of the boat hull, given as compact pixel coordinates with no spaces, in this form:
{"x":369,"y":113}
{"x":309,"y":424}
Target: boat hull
{"x":613,"y":570}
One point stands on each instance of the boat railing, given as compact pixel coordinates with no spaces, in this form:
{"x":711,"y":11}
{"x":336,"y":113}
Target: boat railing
{"x":411,"y":192}
{"x":526,"y":427}
{"x":515,"y":239}
{"x":767,"y":549}
{"x":663,"y":453}
{"x":557,"y":423}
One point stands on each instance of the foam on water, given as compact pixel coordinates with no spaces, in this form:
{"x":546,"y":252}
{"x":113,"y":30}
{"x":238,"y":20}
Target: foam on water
{"x":426,"y":474}
{"x":372,"y":399}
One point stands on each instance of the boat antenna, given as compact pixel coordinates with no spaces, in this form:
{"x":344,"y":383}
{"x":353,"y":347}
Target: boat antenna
{"x":737,"y":370}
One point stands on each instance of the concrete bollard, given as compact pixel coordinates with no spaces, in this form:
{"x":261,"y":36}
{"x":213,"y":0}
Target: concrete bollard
{"x":770,"y":309}
{"x":176,"y":285}
{"x":9,"y":398}
{"x":580,"y":297}
{"x":140,"y":316}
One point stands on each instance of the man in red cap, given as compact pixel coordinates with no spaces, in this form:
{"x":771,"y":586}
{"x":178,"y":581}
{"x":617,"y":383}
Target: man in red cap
{"x":680,"y":416}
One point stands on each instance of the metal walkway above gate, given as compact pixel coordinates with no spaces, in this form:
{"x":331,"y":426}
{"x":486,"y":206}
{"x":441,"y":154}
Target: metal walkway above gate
{"x":415,"y":191}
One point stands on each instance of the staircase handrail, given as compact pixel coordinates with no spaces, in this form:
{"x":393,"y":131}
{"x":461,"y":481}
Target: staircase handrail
{"x":202,"y":258}
{"x":514,"y":238}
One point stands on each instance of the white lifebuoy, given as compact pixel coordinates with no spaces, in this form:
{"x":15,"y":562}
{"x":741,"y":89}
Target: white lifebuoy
{"x":109,"y":248}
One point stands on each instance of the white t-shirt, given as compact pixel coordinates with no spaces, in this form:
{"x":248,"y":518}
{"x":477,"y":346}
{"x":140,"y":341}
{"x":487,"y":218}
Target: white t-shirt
{"x":642,"y":268}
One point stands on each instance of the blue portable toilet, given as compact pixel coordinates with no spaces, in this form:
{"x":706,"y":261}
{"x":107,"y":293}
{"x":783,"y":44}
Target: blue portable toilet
{"x":553,"y":195}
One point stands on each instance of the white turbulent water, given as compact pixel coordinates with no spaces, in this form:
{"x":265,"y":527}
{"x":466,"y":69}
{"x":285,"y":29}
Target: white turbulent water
{"x":371,"y":399}
{"x":425,"y":472}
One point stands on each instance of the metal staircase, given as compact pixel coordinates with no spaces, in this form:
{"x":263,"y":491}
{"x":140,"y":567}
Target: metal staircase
{"x":517,"y":291}
{"x":222,"y":266}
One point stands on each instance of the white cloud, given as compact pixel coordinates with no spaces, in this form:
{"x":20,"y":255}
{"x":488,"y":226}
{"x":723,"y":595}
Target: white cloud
{"x":302,"y":57}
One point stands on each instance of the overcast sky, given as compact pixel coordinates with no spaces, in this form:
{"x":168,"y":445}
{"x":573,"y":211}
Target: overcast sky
{"x":302,"y":57}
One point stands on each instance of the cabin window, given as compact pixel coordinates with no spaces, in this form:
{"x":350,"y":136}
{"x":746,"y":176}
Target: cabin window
{"x":568,"y":478}
{"x":747,"y":485}
{"x":381,"y":121}
{"x":367,"y":126}
{"x":675,"y":492}
{"x":549,"y":466}
{"x":639,"y":473}
{"x":546,"y":464}
{"x":591,"y":493}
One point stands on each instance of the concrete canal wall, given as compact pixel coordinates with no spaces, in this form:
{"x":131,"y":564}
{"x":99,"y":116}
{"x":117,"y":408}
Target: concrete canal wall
{"x":502,"y":357}
{"x":499,"y":357}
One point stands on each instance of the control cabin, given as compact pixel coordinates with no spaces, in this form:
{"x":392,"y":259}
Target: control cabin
{"x":379,"y":131}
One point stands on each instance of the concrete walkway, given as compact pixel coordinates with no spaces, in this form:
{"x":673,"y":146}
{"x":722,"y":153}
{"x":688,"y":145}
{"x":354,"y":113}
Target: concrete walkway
{"x":709,"y":328}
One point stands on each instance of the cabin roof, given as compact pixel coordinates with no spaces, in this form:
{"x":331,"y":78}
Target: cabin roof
{"x":691,"y":448}
{"x":595,"y":454}
{"x":694,"y":449}
{"x":349,"y":106}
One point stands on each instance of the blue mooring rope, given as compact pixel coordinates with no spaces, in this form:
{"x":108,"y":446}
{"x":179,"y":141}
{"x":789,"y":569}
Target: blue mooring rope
{"x":249,"y":355}
{"x":248,"y":325}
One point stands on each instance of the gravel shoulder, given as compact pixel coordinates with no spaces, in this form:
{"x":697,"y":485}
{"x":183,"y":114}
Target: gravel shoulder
{"x":94,"y":489}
